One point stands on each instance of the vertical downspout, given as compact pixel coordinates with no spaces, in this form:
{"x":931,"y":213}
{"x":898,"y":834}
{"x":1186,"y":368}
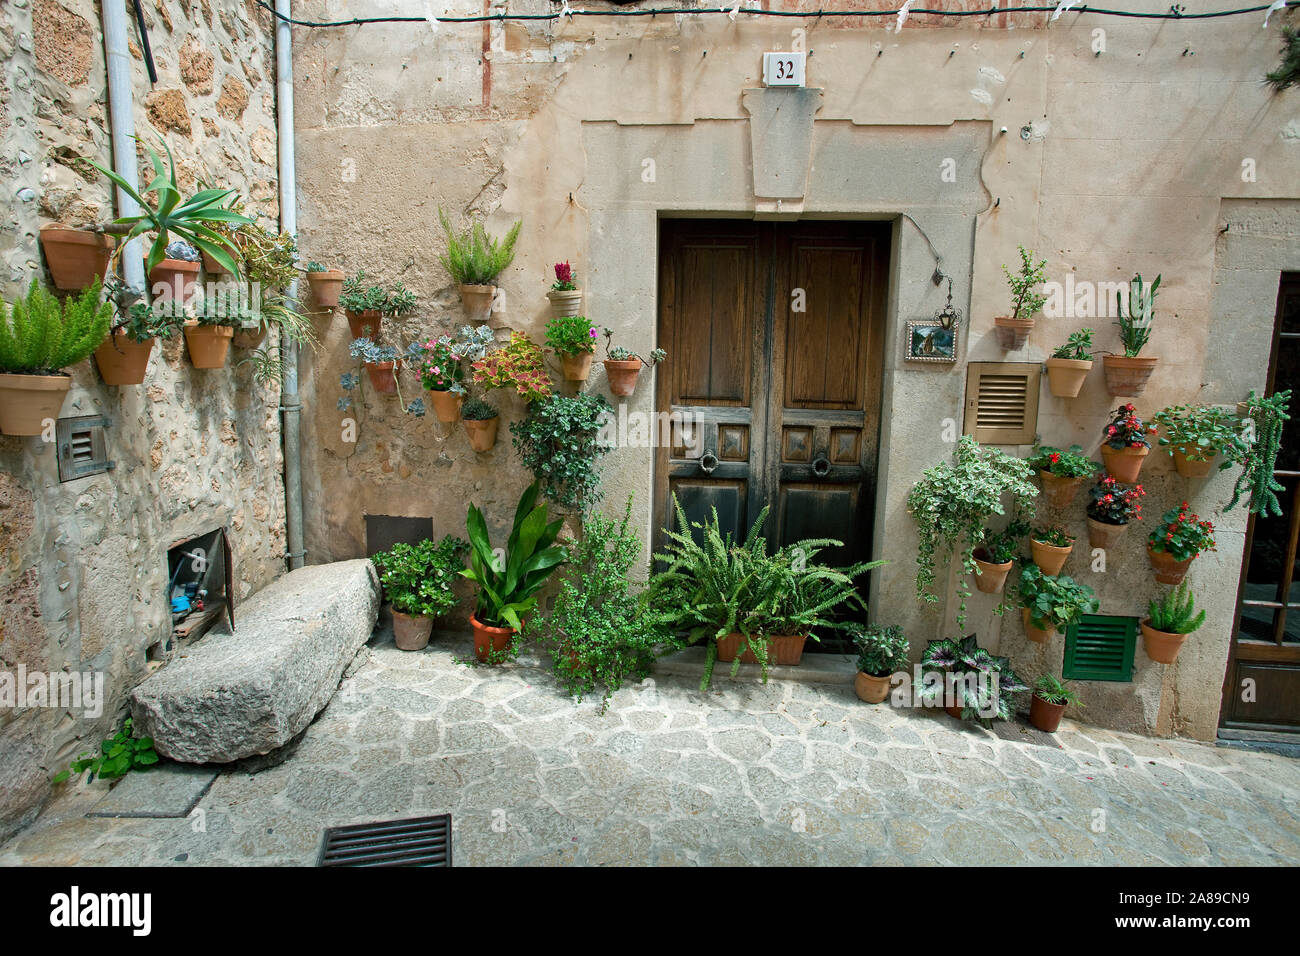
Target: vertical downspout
{"x":121,"y":114}
{"x":290,"y":406}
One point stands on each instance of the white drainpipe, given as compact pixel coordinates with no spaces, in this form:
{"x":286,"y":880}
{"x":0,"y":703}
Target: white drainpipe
{"x":121,"y":113}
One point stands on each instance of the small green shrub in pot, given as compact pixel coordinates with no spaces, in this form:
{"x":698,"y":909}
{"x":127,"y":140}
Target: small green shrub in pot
{"x":1048,"y":703}
{"x":882,"y":651}
{"x":1052,"y":604}
{"x":419,"y":582}
{"x":573,"y":339}
{"x":1197,"y":434}
{"x":478,"y":410}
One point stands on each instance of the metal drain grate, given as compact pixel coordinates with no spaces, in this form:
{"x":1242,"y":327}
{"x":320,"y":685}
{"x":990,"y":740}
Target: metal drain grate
{"x":425,"y":841}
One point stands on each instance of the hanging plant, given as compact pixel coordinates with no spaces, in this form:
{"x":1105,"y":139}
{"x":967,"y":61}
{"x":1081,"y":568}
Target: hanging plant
{"x":952,"y":503}
{"x":559,"y":442}
{"x":1287,"y":73}
{"x":1261,"y":440}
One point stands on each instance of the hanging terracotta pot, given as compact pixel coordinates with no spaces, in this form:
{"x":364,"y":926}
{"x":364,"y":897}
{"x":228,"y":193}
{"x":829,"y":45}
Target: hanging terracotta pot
{"x":1168,"y":569}
{"x":1161,"y":646}
{"x":1191,"y":468}
{"x":1046,"y":717}
{"x":1066,"y":376}
{"x":622,"y":374}
{"x":1012,"y":333}
{"x":1123,"y":464}
{"x":365,"y":325}
{"x":383,"y":376}
{"x":122,"y":360}
{"x":208,"y":344}
{"x":249,"y":337}
{"x":172,"y":280}
{"x":28,"y":401}
{"x":870,"y":688}
{"x":565,"y":303}
{"x":477,"y":301}
{"x":1103,"y":535}
{"x":1048,"y":557}
{"x":76,"y":257}
{"x":482,"y":432}
{"x":1127,"y":377}
{"x":446,"y":405}
{"x":576,"y":367}
{"x":411,"y":631}
{"x":489,"y":639}
{"x":325,"y":286}
{"x":1058,"y":492}
{"x":1039,"y":635}
{"x":213,"y":267}
{"x":991,"y":577}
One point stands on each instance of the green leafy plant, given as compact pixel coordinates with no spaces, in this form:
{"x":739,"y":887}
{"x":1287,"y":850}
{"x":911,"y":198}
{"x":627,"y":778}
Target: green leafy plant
{"x":999,"y":547}
{"x":418,"y":578}
{"x":1261,"y":441}
{"x":439,"y":362}
{"x":1287,"y":73}
{"x":1136,"y":317}
{"x":477,"y":410}
{"x":520,"y":364}
{"x":571,"y":335}
{"x":882,"y":649}
{"x":359,"y":295}
{"x":559,"y":442}
{"x":1077,"y":347}
{"x":1048,"y":688}
{"x":1200,"y":432}
{"x":1072,"y":463}
{"x":1054,"y":602}
{"x":1053,"y":536}
{"x":265,"y":257}
{"x":508,"y":582}
{"x":620,"y":354}
{"x":984,"y":684}
{"x":954,"y":501}
{"x":1025,"y":302}
{"x":141,"y":322}
{"x":195,"y":220}
{"x":473,"y":256}
{"x":315,"y":266}
{"x":118,"y":756}
{"x":40,"y":337}
{"x":1175,"y":613}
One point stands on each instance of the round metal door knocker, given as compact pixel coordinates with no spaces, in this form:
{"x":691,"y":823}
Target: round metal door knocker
{"x":708,"y":462}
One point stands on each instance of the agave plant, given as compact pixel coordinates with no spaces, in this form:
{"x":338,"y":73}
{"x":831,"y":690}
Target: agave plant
{"x":190,"y":219}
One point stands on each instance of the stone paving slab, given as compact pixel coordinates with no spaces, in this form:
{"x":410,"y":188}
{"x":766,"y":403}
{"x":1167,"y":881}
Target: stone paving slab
{"x":744,"y":774}
{"x":167,"y":790}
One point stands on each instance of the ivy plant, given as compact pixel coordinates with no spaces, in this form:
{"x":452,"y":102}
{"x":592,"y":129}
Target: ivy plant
{"x":559,"y":442}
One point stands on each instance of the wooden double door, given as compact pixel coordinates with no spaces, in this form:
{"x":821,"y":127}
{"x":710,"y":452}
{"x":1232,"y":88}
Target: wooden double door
{"x":774,"y":334}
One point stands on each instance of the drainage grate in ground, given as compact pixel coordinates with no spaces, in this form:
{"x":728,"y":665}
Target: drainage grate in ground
{"x":424,"y":841}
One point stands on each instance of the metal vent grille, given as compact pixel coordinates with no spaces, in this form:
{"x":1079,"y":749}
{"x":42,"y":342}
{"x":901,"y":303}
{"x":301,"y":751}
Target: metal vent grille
{"x":83,"y":449}
{"x":424,"y":841}
{"x":1100,"y":647}
{"x":1002,"y":402}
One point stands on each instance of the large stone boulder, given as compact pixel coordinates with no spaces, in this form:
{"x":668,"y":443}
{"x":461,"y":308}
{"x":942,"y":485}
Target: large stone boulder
{"x":232,"y":696}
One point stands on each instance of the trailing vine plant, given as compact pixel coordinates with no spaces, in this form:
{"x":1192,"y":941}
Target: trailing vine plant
{"x":954,"y":501}
{"x":1262,"y":439}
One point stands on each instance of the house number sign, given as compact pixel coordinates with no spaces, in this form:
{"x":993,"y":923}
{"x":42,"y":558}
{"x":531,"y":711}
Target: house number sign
{"x":784,"y":69}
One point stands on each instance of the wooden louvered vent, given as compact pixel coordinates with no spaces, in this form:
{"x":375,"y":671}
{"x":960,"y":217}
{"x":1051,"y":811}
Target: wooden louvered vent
{"x":1100,"y":647}
{"x":1002,"y":402}
{"x":83,"y":447}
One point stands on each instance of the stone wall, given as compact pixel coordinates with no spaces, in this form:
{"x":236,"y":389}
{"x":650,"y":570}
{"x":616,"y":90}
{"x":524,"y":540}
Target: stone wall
{"x":83,"y":565}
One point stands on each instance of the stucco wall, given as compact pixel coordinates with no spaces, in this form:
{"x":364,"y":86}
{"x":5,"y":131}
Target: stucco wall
{"x":83,"y":565}
{"x":1111,"y":164}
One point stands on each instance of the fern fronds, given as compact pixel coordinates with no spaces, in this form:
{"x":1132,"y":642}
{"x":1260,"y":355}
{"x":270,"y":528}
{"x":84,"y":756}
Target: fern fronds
{"x":37,"y":335}
{"x":1176,"y":612}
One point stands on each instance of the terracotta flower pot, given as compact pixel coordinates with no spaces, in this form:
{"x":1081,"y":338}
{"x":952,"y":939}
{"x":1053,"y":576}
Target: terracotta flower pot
{"x":991,"y":577}
{"x":477,"y":301}
{"x":783,"y":649}
{"x":383,"y":376}
{"x":1013,"y":333}
{"x":325,"y":286}
{"x":1046,"y":717}
{"x":1058,"y":492}
{"x":870,"y":688}
{"x":172,"y":280}
{"x":482,"y":432}
{"x":212,"y":266}
{"x":1049,"y":558}
{"x":364,"y":325}
{"x":1191,"y":468}
{"x":622,"y":375}
{"x":953,"y":711}
{"x":1127,"y":377}
{"x":1123,"y":464}
{"x":76,"y":257}
{"x":1103,"y":535}
{"x":565,"y":303}
{"x":27,"y":401}
{"x":411,"y":631}
{"x":208,"y":344}
{"x":1066,"y":376}
{"x":576,"y":367}
{"x":1168,"y":570}
{"x":1039,"y":635}
{"x":122,"y":360}
{"x":446,"y":405}
{"x":249,"y":338}
{"x":489,"y":639}
{"x":1161,"y":646}
{"x":729,"y":646}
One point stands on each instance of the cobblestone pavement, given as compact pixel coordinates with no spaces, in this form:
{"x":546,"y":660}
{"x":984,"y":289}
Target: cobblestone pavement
{"x":787,"y":773}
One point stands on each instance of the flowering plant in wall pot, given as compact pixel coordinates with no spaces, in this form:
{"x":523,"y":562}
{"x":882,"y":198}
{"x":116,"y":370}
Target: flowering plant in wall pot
{"x":1124,"y":444}
{"x":325,"y":284}
{"x":1110,"y":510}
{"x":565,"y":296}
{"x":440,"y":365}
{"x":1070,"y":364}
{"x":1013,"y":330}
{"x":1061,"y":472}
{"x":1127,"y":374}
{"x":1175,"y":544}
{"x":573,"y":338}
{"x":622,"y":366}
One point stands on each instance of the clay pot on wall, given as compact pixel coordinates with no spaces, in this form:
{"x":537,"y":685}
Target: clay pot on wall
{"x":477,"y":301}
{"x":383,"y":376}
{"x":208,"y":344}
{"x":326,"y":286}
{"x":365,"y":325}
{"x":1123,"y":464}
{"x":1012,"y":333}
{"x":482,"y":433}
{"x":249,"y":337}
{"x":991,"y":577}
{"x":622,"y":374}
{"x":212,"y":266}
{"x":565,"y":303}
{"x":1127,"y":377}
{"x":1191,"y":468}
{"x":1039,"y":635}
{"x":489,"y":639}
{"x":1168,"y":570}
{"x":172,"y":280}
{"x":1046,"y":717}
{"x":446,"y":405}
{"x":1058,"y":492}
{"x":122,"y":360}
{"x":26,"y":401}
{"x":870,"y":688}
{"x":76,"y":257}
{"x":1161,"y":646}
{"x":1103,"y":535}
{"x":576,"y":367}
{"x":411,"y":631}
{"x":1066,"y":376}
{"x":1049,"y":558}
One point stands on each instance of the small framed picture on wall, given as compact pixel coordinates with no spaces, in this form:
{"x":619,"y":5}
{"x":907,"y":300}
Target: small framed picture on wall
{"x":928,"y":341}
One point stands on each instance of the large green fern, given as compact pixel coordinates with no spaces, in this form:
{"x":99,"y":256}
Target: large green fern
{"x":474,"y":257}
{"x":1176,"y":612}
{"x":39,"y":337}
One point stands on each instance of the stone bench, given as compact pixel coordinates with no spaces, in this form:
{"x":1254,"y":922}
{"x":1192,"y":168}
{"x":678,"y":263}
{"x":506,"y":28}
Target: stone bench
{"x":237,"y":695}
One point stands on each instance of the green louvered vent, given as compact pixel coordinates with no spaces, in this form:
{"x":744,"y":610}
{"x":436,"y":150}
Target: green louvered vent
{"x":1100,"y":647}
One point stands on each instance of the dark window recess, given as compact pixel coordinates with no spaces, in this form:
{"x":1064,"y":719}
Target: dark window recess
{"x":83,"y":450}
{"x":199,"y":586}
{"x":1100,"y":647}
{"x":384,"y":531}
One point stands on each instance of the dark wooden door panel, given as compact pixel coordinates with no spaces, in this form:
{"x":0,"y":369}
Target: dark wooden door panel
{"x":729,"y":496}
{"x":1276,"y":689}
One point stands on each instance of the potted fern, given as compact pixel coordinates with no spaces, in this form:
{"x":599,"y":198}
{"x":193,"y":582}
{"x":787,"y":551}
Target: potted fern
{"x":1048,"y":703}
{"x":38,"y":340}
{"x":1070,"y":365}
{"x":1169,"y":620}
{"x":325,"y":284}
{"x":474,"y":258}
{"x":1013,"y":330}
{"x":1127,"y":374}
